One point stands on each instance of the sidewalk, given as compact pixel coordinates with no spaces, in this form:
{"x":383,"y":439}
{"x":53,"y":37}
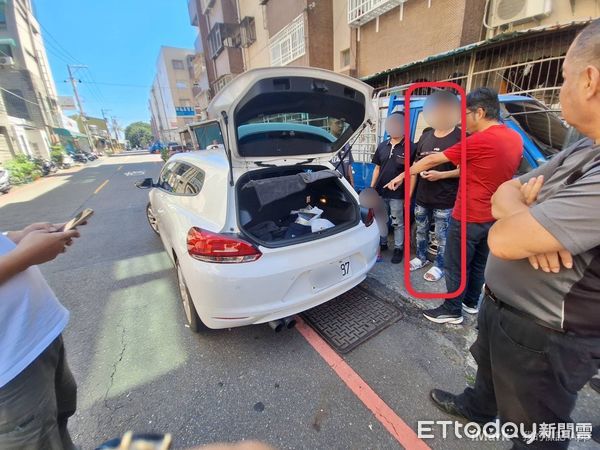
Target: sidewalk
{"x":25,"y":192}
{"x":387,"y":280}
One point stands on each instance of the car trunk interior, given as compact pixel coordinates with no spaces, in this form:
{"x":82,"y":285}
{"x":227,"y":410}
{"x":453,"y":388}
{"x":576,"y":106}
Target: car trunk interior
{"x":268,"y":199}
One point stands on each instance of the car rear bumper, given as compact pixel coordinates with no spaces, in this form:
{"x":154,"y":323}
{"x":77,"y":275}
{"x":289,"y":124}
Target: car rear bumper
{"x":280,"y":283}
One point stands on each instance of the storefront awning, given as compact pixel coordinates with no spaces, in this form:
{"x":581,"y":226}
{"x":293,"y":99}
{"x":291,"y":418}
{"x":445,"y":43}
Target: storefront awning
{"x":67,"y":133}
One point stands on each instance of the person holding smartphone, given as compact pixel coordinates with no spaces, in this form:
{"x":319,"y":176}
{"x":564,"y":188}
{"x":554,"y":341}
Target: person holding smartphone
{"x":37,"y":390}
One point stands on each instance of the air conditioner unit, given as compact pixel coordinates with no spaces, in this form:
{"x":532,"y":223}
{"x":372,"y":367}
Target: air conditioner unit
{"x":6,"y":61}
{"x":503,"y":12}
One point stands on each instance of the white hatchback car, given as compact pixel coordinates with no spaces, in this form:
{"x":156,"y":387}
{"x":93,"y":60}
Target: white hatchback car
{"x":260,"y":226}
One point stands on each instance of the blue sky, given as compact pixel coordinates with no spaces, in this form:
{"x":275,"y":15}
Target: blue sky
{"x":119,"y":41}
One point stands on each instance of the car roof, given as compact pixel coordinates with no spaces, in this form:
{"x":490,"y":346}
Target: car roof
{"x":215,"y":159}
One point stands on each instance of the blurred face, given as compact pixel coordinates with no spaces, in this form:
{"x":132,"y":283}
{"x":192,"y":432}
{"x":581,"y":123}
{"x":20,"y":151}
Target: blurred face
{"x":442,"y":115}
{"x":394,"y":125}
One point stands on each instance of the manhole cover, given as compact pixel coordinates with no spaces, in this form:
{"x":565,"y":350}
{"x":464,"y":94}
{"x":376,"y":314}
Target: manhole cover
{"x":351,"y":319}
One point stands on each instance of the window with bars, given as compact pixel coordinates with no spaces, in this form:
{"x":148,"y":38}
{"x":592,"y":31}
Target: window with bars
{"x":247,"y":31}
{"x":288,"y":44}
{"x":178,"y":64}
{"x":15,"y":104}
{"x":215,"y":39}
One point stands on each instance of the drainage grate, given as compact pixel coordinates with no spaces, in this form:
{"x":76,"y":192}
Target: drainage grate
{"x":351,"y":319}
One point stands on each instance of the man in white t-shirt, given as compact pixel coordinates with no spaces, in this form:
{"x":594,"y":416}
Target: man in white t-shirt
{"x":37,"y":390}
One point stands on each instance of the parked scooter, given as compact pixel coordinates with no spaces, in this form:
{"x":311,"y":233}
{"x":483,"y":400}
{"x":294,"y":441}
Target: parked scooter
{"x":45,"y":166}
{"x":79,"y":158}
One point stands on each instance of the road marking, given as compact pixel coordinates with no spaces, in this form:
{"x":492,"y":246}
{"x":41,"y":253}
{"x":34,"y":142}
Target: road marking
{"x":101,"y":186}
{"x":119,"y":168}
{"x":386,"y":415}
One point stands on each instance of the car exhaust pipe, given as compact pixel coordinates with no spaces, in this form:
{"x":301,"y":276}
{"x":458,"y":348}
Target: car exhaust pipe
{"x":277,"y":325}
{"x":290,"y":322}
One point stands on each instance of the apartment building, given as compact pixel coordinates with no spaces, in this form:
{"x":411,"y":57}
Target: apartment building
{"x":242,"y":35}
{"x":220,"y":39}
{"x":29,"y":111}
{"x":171,"y":99}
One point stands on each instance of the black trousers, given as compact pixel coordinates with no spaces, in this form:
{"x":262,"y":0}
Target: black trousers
{"x":477,"y":254}
{"x":526,"y":373}
{"x":36,"y":405}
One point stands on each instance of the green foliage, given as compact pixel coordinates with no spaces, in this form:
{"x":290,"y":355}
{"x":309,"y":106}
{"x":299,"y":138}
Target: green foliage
{"x":22,"y":170}
{"x":139,"y":134}
{"x":164,"y":153}
{"x":57,"y":154}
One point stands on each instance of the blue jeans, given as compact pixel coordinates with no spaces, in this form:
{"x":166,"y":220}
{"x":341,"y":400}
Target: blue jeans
{"x":441,"y":218}
{"x":477,"y":254}
{"x":395,"y":207}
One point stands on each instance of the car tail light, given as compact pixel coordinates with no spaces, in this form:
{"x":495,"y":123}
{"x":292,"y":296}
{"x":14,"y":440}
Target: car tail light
{"x":219,"y":248}
{"x":367,"y":216}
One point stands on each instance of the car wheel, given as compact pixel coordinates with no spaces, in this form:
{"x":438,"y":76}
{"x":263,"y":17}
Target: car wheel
{"x":189,"y":309}
{"x":152,"y":220}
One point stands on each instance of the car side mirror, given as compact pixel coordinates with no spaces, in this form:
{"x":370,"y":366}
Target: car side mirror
{"x":146,"y":183}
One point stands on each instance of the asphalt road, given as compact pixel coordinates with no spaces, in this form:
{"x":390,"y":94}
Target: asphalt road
{"x":139,"y":368}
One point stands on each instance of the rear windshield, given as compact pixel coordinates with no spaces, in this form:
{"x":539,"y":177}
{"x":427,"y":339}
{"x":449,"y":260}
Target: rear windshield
{"x":543,"y":126}
{"x":297,"y":116}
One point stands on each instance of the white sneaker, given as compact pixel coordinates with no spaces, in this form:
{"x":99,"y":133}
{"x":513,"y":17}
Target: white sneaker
{"x":470,"y":309}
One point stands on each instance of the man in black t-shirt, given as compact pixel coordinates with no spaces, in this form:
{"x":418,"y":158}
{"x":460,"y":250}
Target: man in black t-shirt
{"x":436,"y":188}
{"x":389,"y":163}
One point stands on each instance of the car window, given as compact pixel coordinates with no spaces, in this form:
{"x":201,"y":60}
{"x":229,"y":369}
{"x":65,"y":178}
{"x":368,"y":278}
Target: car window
{"x":188,"y":179}
{"x":543,"y":126}
{"x":166,"y":178}
{"x":208,"y":134}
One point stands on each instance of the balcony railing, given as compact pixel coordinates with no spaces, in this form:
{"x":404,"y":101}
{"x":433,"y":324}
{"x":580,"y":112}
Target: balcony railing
{"x":363,"y":11}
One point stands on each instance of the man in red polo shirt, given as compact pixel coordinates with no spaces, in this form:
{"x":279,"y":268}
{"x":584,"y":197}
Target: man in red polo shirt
{"x":494,"y":153}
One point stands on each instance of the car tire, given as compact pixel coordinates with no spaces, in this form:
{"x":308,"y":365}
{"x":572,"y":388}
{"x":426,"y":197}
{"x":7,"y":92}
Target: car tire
{"x":193,"y":320}
{"x":152,"y":220}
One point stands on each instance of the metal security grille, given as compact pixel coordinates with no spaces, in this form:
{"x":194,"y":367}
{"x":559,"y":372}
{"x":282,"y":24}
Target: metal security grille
{"x":528,"y":64}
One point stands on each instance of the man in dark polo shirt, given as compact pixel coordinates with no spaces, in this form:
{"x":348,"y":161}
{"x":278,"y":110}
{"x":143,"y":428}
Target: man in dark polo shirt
{"x":539,"y":325}
{"x":493,"y":153}
{"x":389,"y":162}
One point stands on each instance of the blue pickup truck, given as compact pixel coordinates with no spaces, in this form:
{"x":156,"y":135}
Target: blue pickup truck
{"x":544,"y":133}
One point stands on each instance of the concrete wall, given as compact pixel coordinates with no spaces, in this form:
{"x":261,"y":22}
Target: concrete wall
{"x":319,"y":34}
{"x":256,"y":55}
{"x":341,"y":36}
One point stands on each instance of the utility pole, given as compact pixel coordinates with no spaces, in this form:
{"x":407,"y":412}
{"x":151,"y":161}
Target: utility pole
{"x":78,"y":100}
{"x":116,"y":128}
{"x":104,"y":111}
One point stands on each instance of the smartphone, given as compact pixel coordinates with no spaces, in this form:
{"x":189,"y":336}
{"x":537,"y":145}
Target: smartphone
{"x":78,"y":219}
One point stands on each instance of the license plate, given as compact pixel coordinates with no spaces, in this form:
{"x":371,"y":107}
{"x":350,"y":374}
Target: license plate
{"x":331,"y":274}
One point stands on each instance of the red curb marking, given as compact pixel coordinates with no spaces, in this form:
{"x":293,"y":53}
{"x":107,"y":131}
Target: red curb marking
{"x":383,"y":413}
